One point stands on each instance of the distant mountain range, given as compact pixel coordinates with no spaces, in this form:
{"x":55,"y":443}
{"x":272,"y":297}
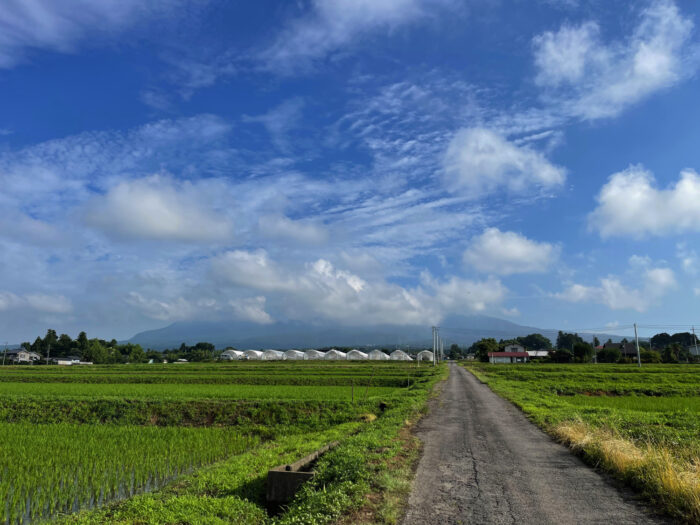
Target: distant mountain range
{"x":460,"y":329}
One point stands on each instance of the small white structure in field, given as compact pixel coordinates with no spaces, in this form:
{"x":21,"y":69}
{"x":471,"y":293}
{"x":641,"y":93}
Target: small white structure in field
{"x":252,"y":355}
{"x":335,"y":355}
{"x":400,"y":355}
{"x":356,"y":355}
{"x":378,"y":355}
{"x":312,"y":355}
{"x":272,"y":355}
{"x":425,"y":355}
{"x":294,"y":355}
{"x":231,"y":355}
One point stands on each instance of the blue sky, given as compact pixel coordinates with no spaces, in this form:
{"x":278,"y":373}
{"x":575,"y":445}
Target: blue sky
{"x":347,"y":161}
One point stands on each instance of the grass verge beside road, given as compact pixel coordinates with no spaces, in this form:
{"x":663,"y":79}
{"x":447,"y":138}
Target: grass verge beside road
{"x":641,"y":425}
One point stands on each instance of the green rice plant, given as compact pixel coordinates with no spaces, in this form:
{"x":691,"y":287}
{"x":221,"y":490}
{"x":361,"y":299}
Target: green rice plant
{"x":48,"y":469}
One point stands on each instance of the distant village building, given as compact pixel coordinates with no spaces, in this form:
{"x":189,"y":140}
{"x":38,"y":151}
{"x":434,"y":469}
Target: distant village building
{"x":508,"y":357}
{"x":625,"y":349}
{"x":21,"y":355}
{"x":514,"y":348}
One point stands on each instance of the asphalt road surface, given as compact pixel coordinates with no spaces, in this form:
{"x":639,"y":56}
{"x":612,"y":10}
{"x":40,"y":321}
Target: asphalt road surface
{"x":484,"y":463}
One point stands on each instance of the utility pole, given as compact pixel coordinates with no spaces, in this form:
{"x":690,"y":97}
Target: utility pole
{"x":48,"y":353}
{"x":4,"y":355}
{"x":434,"y":345}
{"x":636,"y":341}
{"x":695,"y":338}
{"x":442,"y":349}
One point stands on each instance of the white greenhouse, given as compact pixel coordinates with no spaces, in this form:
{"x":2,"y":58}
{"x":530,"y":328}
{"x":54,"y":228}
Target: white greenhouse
{"x":294,"y":355}
{"x":425,"y":355}
{"x":335,"y":355}
{"x":312,"y":355}
{"x":231,"y":355}
{"x":272,"y":355}
{"x":378,"y":355}
{"x":356,"y":355}
{"x":252,"y":355}
{"x":400,"y":355}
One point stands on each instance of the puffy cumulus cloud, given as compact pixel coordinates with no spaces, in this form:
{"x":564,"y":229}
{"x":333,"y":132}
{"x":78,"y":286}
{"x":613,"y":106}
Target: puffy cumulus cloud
{"x":508,"y":253}
{"x":251,"y":309}
{"x":38,"y":302}
{"x":656,"y":282}
{"x":332,"y":25}
{"x":61,"y":25}
{"x":301,"y":231}
{"x":479,"y":161}
{"x":688,"y":258}
{"x":319,"y":289}
{"x":159,"y":208}
{"x":589,"y":78}
{"x":629,"y":204}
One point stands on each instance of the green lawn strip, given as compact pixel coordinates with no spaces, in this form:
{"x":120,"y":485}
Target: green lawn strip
{"x":662,"y":431}
{"x":369,"y":472}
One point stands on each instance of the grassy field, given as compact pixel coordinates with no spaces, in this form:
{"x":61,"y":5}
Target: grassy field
{"x":192,"y":443}
{"x":643,"y":425}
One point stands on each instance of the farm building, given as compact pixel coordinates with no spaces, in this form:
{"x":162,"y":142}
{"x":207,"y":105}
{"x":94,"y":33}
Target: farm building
{"x":425,"y":355}
{"x":272,"y":355}
{"x":508,"y":357}
{"x":312,"y":354}
{"x":514,"y":348}
{"x":294,"y":355}
{"x":378,"y":355}
{"x":334,"y":355}
{"x":400,"y":355}
{"x":66,"y":361}
{"x":252,"y":355}
{"x":537,"y":354}
{"x":231,"y":355}
{"x":22,"y":356}
{"x":356,"y":355}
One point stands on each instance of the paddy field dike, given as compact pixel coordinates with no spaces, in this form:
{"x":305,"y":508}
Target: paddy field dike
{"x":192,"y":443}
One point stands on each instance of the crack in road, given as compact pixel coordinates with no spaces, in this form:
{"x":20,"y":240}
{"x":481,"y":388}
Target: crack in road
{"x":484,"y":463}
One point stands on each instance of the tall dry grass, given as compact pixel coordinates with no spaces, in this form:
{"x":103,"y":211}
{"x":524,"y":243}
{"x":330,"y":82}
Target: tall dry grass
{"x":671,"y":481}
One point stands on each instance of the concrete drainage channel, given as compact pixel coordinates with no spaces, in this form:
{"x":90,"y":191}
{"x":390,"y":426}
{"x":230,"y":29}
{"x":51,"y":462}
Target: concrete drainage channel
{"x":284,"y":481}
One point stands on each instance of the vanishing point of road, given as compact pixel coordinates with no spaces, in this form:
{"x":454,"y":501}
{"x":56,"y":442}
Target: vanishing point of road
{"x":484,"y":463}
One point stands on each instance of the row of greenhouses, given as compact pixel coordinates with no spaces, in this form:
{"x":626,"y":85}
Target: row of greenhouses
{"x":330,"y":355}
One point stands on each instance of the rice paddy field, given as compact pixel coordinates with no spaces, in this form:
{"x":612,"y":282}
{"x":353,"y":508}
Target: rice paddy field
{"x":192,"y":443}
{"x":641,"y":424}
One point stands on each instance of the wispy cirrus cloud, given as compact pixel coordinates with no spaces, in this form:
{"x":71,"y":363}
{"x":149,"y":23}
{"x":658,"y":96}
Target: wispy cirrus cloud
{"x":330,"y":26}
{"x":65,"y":25}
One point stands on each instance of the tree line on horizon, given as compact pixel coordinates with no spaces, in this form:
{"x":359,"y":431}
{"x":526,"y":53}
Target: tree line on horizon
{"x":571,"y":348}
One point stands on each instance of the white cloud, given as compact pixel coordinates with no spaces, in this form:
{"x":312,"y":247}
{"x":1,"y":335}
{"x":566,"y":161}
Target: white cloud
{"x":251,"y":309}
{"x":508,"y":253}
{"x":280,"y":120}
{"x":589,"y":78}
{"x":280,"y":227}
{"x":656,"y":282}
{"x":334,"y":24}
{"x":697,"y":292}
{"x":61,"y":25}
{"x":175,"y":309}
{"x":690,"y":262}
{"x":158,"y":208}
{"x":319,"y":289}
{"x":39,"y":302}
{"x":629,"y":204}
{"x":479,"y":161}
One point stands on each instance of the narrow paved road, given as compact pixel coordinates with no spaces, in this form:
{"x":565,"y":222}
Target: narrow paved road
{"x":485,"y":463}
